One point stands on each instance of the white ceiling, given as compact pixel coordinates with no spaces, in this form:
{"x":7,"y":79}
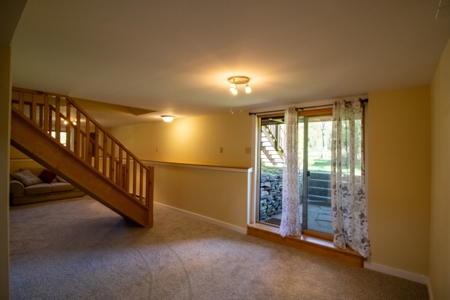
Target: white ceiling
{"x":175,"y":56}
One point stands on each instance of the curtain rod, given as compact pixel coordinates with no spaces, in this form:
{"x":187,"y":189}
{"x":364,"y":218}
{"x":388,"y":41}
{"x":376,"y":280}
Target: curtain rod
{"x":302,"y":108}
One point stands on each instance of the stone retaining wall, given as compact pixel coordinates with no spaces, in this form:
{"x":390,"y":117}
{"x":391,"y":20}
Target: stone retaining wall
{"x":271,"y":195}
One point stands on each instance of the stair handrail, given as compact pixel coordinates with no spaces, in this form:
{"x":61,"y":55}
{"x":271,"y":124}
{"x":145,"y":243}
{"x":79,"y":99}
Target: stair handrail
{"x":83,"y":144}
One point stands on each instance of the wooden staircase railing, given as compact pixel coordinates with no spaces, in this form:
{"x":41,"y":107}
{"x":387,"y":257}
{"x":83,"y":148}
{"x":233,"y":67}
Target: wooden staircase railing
{"x":66,"y":122}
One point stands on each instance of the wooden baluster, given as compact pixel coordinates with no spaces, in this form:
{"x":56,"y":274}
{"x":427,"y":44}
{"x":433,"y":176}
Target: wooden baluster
{"x":50,"y":119}
{"x":143,"y":196}
{"x":96,"y":149}
{"x":141,"y":184}
{"x":46,"y":114}
{"x":77,"y":136}
{"x":68,"y":125}
{"x":112,"y":161}
{"x":58,"y":120}
{"x":41,"y":116}
{"x":88,"y":149}
{"x":21,"y":103}
{"x":134,"y":178}
{"x":105,"y":153}
{"x":120,"y":168}
{"x":150,"y":187}
{"x":147,"y":188}
{"x":33,"y":109}
{"x":127,"y":173}
{"x":83,"y":146}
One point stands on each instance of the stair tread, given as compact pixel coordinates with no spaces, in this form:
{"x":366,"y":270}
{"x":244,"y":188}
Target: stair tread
{"x":317,"y":196}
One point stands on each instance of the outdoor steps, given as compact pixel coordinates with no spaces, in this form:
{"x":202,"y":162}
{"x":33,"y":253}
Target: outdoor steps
{"x":274,"y":158}
{"x":319,"y":191}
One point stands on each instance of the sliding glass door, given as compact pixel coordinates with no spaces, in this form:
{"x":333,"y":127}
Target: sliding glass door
{"x":314,"y":150}
{"x":316,"y":211}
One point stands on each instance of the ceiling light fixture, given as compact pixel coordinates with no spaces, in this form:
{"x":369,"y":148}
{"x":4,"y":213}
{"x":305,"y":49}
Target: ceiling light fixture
{"x":235,"y":80}
{"x":167,"y":118}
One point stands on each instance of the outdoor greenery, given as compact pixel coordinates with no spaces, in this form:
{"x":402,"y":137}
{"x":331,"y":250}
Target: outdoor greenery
{"x":320,"y":165}
{"x":270,"y":170}
{"x":319,"y":145}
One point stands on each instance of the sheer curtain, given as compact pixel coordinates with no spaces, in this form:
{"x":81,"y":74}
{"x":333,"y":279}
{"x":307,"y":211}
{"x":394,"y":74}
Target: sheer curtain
{"x":290,"y":215}
{"x":348,"y":193}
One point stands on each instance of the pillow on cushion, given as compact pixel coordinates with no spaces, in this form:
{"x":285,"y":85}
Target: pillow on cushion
{"x":26,"y":177}
{"x":60,"y":179}
{"x":47,"y":176}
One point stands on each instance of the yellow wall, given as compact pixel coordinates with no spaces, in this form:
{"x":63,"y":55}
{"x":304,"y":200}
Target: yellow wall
{"x":20,"y":161}
{"x":215,"y":193}
{"x":5,"y":92}
{"x":399,"y":169}
{"x":440,"y":183}
{"x":16,"y":154}
{"x":191,"y":140}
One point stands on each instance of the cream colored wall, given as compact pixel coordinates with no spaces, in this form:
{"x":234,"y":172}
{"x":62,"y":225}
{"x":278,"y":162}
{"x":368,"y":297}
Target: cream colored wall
{"x":18,"y":161}
{"x":5,"y":111}
{"x":16,"y":154}
{"x":216,"y":194}
{"x":399,"y":172}
{"x":440,"y":184}
{"x":191,"y":140}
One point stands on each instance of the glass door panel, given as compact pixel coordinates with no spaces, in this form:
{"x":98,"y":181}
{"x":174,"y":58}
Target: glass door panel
{"x":317,"y":162}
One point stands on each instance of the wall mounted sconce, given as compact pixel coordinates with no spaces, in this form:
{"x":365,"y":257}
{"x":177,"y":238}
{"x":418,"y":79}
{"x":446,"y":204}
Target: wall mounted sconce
{"x":167,"y":118}
{"x":235,"y":80}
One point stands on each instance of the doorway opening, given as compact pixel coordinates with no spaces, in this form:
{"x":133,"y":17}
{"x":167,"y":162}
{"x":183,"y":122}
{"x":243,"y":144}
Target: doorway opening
{"x":314,"y":161}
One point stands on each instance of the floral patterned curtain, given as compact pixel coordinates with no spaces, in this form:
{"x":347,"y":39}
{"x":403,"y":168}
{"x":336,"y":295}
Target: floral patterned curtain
{"x":348,"y":192}
{"x":290,"y":215}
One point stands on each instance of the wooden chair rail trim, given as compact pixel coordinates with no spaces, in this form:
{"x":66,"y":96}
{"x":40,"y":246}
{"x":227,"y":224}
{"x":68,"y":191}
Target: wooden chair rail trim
{"x":200,"y":166}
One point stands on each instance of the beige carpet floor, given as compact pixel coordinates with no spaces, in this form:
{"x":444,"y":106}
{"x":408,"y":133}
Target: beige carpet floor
{"x":79,"y":249}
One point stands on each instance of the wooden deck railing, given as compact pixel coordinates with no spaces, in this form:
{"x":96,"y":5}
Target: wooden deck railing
{"x":64,"y":120}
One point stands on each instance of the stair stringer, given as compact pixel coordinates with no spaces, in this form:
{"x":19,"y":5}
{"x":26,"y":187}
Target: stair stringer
{"x":35,"y":143}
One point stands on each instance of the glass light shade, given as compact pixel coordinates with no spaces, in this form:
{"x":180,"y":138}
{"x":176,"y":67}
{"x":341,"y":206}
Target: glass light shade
{"x":167,"y":118}
{"x":234,"y":92}
{"x":248,"y":89}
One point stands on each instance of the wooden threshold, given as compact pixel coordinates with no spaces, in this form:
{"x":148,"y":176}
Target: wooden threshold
{"x":315,"y":245}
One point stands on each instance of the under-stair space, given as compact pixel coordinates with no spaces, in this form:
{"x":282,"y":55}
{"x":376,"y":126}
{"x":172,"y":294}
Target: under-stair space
{"x":57,"y":133}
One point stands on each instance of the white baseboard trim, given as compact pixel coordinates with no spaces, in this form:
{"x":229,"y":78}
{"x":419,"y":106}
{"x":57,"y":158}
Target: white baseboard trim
{"x":397,"y":272}
{"x":207,"y":219}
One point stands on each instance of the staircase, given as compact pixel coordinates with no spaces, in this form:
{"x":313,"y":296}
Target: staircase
{"x":271,"y":150}
{"x":57,"y":133}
